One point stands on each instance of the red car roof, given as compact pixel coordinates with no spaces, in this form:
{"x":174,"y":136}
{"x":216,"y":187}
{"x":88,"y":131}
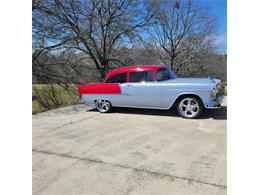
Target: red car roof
{"x":135,"y":68}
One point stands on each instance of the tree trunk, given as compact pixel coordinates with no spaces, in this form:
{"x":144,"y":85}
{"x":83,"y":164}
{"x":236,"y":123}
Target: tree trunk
{"x":172,"y":58}
{"x":103,"y":73}
{"x":104,"y":69}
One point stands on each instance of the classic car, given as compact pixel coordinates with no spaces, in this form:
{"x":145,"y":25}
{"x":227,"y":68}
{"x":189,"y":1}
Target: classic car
{"x":153,"y":87}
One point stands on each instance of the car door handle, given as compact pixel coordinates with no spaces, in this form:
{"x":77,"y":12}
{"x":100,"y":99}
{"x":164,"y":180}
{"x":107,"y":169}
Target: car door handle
{"x":129,"y":85}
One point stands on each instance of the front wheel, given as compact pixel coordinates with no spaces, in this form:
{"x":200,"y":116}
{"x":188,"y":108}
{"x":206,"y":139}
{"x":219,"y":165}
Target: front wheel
{"x":190,"y":107}
{"x":103,"y":106}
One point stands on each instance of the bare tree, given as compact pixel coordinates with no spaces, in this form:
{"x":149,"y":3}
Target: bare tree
{"x":94,"y":27}
{"x":181,"y":29}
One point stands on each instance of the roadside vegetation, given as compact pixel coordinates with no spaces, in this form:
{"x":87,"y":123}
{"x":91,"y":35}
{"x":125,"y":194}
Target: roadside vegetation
{"x":46,"y":97}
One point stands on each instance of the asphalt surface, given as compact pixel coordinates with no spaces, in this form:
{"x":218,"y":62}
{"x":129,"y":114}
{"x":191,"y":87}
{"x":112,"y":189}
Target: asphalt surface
{"x":77,"y":150}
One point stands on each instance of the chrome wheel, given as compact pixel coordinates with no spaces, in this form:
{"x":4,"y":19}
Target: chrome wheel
{"x":103,"y":105}
{"x":189,"y":107}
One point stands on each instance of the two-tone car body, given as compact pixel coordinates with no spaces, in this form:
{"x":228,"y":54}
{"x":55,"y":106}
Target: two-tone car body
{"x":153,"y":87}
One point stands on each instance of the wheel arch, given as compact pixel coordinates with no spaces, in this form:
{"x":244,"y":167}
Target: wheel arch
{"x":181,"y":96}
{"x":107,"y":99}
{"x":96,"y":99}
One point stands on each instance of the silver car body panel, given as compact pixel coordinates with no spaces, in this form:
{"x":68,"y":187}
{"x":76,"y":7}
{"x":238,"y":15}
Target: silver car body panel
{"x":159,"y":94}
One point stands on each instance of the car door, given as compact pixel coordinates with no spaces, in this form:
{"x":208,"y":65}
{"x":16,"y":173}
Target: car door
{"x":142,"y":90}
{"x":165,"y":77}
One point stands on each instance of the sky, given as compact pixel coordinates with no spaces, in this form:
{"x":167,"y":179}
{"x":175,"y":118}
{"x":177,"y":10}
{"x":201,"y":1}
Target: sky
{"x":218,"y":8}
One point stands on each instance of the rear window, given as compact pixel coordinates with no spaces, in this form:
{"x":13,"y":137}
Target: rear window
{"x":118,"y":78}
{"x":141,"y":76}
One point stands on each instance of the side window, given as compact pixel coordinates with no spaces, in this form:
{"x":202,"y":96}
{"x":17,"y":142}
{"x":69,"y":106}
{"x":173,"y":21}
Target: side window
{"x":162,"y":75}
{"x":118,"y":78}
{"x":141,"y":76}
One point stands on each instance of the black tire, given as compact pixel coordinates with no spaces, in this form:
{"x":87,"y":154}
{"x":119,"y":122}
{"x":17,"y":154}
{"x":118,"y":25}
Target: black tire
{"x":103,"y":106}
{"x":194,"y":108}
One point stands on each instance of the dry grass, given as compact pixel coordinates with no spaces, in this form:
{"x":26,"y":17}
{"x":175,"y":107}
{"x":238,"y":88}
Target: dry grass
{"x":37,"y":107}
{"x":53,"y":96}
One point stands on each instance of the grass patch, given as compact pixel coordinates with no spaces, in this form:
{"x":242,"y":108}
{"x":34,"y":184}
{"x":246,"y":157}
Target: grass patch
{"x":37,"y":107}
{"x":53,"y":96}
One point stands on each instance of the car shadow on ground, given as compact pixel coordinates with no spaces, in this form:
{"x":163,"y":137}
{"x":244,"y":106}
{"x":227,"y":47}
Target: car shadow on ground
{"x":217,"y":114}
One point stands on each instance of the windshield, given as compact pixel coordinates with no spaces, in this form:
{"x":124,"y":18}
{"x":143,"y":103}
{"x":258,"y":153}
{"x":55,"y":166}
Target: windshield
{"x":173,"y":76}
{"x":164,"y":74}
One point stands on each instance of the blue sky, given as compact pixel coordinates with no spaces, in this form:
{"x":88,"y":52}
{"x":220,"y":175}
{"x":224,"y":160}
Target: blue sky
{"x":218,"y":8}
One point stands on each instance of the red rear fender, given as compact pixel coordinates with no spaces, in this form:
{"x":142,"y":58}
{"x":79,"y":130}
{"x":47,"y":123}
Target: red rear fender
{"x":99,"y":88}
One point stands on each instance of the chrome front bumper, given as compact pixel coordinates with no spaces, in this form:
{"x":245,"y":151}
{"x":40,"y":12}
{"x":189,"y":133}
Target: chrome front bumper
{"x":216,"y":103}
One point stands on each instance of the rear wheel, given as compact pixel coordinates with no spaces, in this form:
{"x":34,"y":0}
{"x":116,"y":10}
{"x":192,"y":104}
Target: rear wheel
{"x":190,"y":107}
{"x":103,"y":106}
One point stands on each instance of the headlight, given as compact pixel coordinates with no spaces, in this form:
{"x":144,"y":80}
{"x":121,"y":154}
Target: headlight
{"x":214,"y":91}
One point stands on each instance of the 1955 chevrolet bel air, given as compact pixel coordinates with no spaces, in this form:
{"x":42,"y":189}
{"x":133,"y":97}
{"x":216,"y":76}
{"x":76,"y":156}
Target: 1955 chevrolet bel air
{"x":153,"y":87}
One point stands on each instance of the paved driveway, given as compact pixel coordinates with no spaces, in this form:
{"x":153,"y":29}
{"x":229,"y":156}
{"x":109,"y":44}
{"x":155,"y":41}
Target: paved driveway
{"x":77,"y":150}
